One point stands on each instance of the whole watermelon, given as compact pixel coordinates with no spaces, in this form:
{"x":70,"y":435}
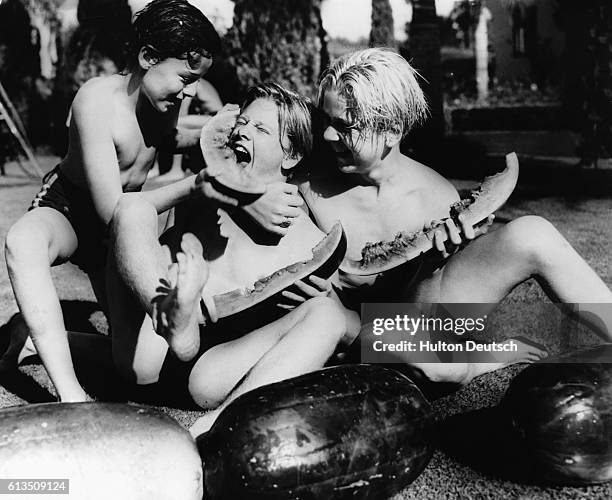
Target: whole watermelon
{"x":560,"y":413}
{"x":349,"y":432}
{"x":105,"y":450}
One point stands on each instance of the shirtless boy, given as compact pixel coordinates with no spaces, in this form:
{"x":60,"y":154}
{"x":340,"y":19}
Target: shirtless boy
{"x":118,"y":124}
{"x":217,"y":250}
{"x":371,"y":100}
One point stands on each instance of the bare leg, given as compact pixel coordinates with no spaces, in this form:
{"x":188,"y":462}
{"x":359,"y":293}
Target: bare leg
{"x":138,"y":257}
{"x":492,"y":265}
{"x":176,"y":313}
{"x":40,"y":239}
{"x":173,"y":172}
{"x":298,"y":343}
{"x":92,"y":356}
{"x":477,"y":364}
{"x":134,"y":269}
{"x":85,"y":346}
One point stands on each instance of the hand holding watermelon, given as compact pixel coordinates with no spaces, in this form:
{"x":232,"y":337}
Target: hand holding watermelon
{"x":449,"y":239}
{"x":305,"y":289}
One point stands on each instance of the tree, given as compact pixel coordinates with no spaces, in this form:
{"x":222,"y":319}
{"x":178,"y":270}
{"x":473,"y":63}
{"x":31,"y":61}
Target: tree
{"x":29,"y":32}
{"x":588,"y":81}
{"x":96,"y":47}
{"x":481,"y":50}
{"x":44,"y":18}
{"x":381,"y":34}
{"x":19,"y":65}
{"x":473,"y":18}
{"x":423,"y":51}
{"x":280,"y":40}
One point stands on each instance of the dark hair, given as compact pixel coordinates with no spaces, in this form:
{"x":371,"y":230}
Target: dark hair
{"x":293,"y":116}
{"x":173,"y":28}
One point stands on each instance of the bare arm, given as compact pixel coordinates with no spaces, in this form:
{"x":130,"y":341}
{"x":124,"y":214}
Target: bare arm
{"x":166,"y":197}
{"x":92,"y":119}
{"x":184,"y":137}
{"x":189,"y":122}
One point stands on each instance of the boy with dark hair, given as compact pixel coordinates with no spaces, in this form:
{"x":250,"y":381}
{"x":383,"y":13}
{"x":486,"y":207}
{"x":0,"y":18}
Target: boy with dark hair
{"x":173,"y":28}
{"x":117,"y":125}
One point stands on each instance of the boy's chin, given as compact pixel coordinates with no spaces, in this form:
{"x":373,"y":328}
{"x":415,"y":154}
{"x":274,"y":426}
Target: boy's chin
{"x":347,"y":169}
{"x":165,"y":106}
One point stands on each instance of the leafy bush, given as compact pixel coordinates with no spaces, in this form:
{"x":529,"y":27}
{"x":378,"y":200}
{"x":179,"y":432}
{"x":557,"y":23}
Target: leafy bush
{"x":381,"y":34}
{"x":588,"y":92}
{"x":280,"y":40}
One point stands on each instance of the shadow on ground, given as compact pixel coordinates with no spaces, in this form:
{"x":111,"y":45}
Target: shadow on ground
{"x":93,"y":363}
{"x":481,"y":439}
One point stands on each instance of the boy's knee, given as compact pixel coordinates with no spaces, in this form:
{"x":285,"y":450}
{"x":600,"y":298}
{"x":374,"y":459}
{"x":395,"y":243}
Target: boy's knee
{"x":533,"y":238}
{"x":21,"y":239}
{"x":204,"y":386}
{"x":131,"y":209}
{"x":329,"y":312}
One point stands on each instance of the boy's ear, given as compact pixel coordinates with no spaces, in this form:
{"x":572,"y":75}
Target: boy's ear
{"x":147,"y":57}
{"x":290,"y":162}
{"x":392,"y":138}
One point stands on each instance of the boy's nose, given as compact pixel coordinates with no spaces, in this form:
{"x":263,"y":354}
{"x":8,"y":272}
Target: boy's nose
{"x":242,"y":130}
{"x":190,"y":90}
{"x":330,"y":134}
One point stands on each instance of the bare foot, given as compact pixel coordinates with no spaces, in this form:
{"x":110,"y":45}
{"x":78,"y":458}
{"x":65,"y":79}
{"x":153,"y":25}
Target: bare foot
{"x":17,"y":343}
{"x":520,"y":350}
{"x":204,"y":423}
{"x":176,"y":309}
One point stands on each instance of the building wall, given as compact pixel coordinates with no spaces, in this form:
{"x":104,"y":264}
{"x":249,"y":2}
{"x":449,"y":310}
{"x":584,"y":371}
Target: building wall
{"x":550,"y":44}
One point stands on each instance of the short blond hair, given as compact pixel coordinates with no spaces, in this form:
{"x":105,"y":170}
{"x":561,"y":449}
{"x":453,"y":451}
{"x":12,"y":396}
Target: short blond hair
{"x":380,"y":88}
{"x":294,"y":116}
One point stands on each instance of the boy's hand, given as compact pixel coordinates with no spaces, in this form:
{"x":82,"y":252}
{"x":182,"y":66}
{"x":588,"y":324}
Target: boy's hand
{"x":214,"y":140}
{"x":204,"y":187}
{"x":301,"y":291}
{"x":217,"y":130}
{"x":276,"y":209}
{"x":448,"y":238}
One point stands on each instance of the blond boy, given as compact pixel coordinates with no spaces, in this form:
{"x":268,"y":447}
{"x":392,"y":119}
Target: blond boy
{"x":370,"y":100}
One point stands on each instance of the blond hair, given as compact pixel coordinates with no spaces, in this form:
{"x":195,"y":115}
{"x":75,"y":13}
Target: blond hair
{"x":294,"y":116}
{"x":380,"y":88}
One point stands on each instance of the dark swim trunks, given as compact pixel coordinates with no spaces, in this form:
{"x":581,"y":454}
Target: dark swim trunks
{"x":75,"y":204}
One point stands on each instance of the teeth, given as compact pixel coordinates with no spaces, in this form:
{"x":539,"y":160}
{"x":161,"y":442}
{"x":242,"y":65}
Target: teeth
{"x":242,"y":154}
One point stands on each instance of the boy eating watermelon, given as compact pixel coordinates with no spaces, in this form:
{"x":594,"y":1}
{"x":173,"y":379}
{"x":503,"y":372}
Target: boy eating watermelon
{"x":370,"y":100}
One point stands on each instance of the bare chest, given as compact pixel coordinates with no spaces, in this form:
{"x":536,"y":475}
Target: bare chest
{"x":135,"y":155}
{"x":239,"y":261}
{"x":367,"y":217}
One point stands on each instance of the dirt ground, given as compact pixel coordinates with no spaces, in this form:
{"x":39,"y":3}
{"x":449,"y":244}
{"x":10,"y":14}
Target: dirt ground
{"x":579,"y":205}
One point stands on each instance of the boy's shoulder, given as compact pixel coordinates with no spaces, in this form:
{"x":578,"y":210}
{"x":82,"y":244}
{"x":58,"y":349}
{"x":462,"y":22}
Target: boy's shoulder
{"x":425,"y":178}
{"x":97,"y":93}
{"x":435,"y":191}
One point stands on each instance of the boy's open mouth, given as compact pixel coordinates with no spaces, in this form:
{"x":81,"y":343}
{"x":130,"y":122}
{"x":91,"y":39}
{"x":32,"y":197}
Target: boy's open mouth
{"x":243,"y":155}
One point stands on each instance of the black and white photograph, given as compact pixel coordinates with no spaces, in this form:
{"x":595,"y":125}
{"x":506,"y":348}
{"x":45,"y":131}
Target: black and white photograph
{"x":306,"y":249}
